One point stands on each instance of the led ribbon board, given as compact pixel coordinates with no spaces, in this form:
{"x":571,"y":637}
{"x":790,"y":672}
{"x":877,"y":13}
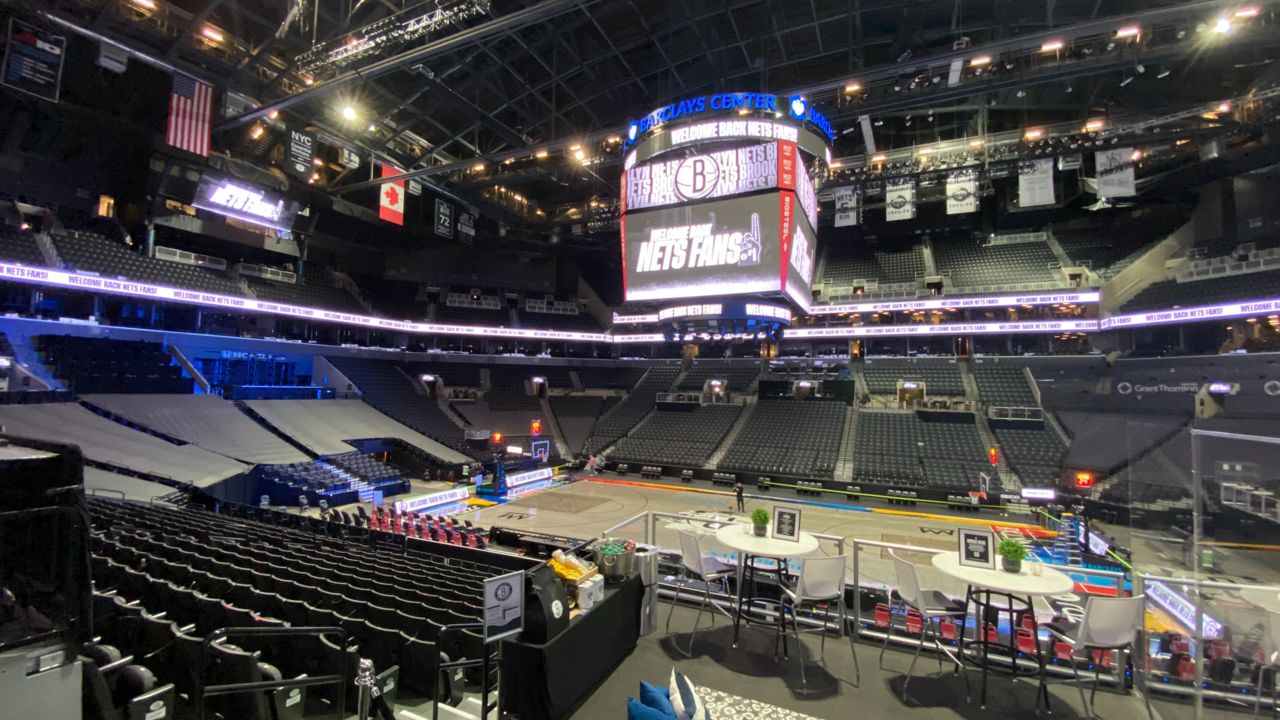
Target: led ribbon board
{"x":1191,"y":314}
{"x":793,"y":106}
{"x":943,"y":329}
{"x":943,"y":303}
{"x":445,"y":497}
{"x":727,"y":129}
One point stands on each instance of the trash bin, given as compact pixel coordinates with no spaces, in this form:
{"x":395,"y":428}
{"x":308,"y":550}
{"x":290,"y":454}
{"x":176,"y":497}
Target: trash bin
{"x":647,"y":565}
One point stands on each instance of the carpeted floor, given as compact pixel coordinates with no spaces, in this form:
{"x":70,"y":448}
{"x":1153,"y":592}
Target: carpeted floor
{"x":751,"y":671}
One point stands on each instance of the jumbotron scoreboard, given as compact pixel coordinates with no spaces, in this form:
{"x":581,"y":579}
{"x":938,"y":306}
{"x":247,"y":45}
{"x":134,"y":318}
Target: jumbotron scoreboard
{"x":718,"y":199}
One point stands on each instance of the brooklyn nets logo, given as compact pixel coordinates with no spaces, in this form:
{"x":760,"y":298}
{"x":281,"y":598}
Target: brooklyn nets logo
{"x":899,"y":201}
{"x":696,"y":178}
{"x":961,"y":195}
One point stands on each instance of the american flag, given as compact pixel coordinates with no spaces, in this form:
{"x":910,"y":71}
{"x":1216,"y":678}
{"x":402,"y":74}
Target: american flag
{"x":190,"y":108}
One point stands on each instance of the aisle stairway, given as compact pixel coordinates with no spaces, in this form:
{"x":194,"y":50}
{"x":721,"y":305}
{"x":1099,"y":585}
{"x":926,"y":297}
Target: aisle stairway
{"x":714,"y":461}
{"x":844,"y":461}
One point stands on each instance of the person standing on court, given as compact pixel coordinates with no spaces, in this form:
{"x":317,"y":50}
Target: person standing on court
{"x":737,"y":492}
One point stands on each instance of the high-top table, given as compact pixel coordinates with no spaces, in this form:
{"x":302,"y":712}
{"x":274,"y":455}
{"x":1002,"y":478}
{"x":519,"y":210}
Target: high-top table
{"x":743,"y":539}
{"x":1017,"y":589}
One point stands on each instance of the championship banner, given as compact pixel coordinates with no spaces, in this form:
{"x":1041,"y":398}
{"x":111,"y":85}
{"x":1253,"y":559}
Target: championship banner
{"x":962,"y":193}
{"x":350,"y":158}
{"x":300,"y":150}
{"x":1115,"y":173}
{"x":1035,"y":183}
{"x":847,"y":204}
{"x":33,"y":60}
{"x":900,"y":200}
{"x":708,"y":176}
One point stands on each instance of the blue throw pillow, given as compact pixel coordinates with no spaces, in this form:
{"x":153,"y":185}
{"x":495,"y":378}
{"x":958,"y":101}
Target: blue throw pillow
{"x":637,"y":710}
{"x":657,"y":698}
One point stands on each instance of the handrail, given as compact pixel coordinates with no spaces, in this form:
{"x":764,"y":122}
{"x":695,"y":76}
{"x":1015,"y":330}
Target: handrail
{"x":203,"y":691}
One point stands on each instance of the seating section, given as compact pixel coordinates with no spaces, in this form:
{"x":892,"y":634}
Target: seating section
{"x":633,"y":408}
{"x":204,"y":420}
{"x":576,"y":415}
{"x":614,"y":377}
{"x":512,"y":378}
{"x":846,"y":262}
{"x":324,"y":426}
{"x":970,"y":264}
{"x":393,"y":393}
{"x":81,"y":250}
{"x":737,"y":374}
{"x":315,"y":288}
{"x":99,"y":365}
{"x":678,"y":436}
{"x":209,"y":571}
{"x":20,"y":247}
{"x":111,"y":443}
{"x":789,"y":437}
{"x":353,"y":470}
{"x":471,"y":316}
{"x":941,"y":379}
{"x":1003,"y":385}
{"x":1034,"y":453}
{"x":454,"y":374}
{"x":1171,"y":293}
{"x":902,"y":449}
{"x":582,"y":322}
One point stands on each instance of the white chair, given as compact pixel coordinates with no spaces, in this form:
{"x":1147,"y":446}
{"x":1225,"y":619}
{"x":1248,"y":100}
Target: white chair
{"x":933,"y":606}
{"x":708,"y":569}
{"x":821,"y":580}
{"x":1108,"y":624}
{"x":1270,"y":660}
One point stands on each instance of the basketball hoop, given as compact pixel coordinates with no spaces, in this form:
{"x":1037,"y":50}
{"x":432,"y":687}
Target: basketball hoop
{"x":976,"y":497}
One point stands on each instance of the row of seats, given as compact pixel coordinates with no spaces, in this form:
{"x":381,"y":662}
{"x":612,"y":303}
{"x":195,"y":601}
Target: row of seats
{"x":633,"y":408}
{"x":364,"y":466}
{"x":89,"y":251}
{"x":789,"y":437}
{"x":1171,"y":293}
{"x":1034,"y":451}
{"x":844,"y":263}
{"x":678,"y":436}
{"x":20,"y":247}
{"x":737,"y":375}
{"x":1003,"y":385}
{"x":902,"y":448}
{"x":883,"y":376}
{"x":315,"y":288}
{"x":972,"y":264}
{"x":101,"y":365}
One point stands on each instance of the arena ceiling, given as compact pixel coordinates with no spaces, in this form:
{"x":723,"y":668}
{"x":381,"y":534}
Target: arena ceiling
{"x":529,"y":96}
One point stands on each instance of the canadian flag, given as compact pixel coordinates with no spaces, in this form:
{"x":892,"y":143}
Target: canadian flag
{"x":391,"y":197}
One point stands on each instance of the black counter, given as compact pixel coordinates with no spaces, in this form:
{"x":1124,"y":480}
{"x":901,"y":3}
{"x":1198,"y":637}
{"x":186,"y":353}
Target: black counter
{"x":549,"y":681}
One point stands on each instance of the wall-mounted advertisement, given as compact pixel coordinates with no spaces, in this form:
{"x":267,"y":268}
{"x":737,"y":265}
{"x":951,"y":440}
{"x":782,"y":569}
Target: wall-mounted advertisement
{"x":799,"y":245}
{"x":702,"y":177}
{"x":722,"y":247}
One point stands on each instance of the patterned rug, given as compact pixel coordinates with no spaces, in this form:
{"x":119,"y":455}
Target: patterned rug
{"x":723,"y":705}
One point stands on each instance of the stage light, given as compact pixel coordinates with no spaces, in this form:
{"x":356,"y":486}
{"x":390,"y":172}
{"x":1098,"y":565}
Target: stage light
{"x":578,"y":154}
{"x":212,"y":34}
{"x":852,"y":87}
{"x":349,"y":113}
{"x":1052,"y":46}
{"x":540,"y":154}
{"x":980,"y":60}
{"x":1129,"y":31}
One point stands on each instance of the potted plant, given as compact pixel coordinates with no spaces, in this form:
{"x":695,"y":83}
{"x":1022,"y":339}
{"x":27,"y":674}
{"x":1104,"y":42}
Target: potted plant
{"x":760,"y":519}
{"x":1012,"y":554}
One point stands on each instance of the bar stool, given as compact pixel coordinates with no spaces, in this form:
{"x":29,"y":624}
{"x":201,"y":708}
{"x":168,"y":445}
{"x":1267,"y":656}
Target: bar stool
{"x":821,"y":580}
{"x":708,"y":569}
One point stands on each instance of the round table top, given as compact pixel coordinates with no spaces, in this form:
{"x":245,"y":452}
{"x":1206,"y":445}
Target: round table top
{"x":742,"y":538}
{"x":1263,"y":598}
{"x":1049,"y":582}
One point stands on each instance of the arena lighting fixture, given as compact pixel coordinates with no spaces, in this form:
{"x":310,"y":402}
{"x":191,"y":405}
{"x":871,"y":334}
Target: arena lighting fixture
{"x":1033,"y":134}
{"x":578,"y":154}
{"x":256,"y":131}
{"x":1129,"y":31}
{"x":273,"y":115}
{"x":212,"y":34}
{"x":852,"y":87}
{"x":1052,"y":46}
{"x":1222,"y":25}
{"x":540,"y":154}
{"x":878,"y":158}
{"x":349,"y":113}
{"x":427,"y":378}
{"x":388,"y":32}
{"x":980,"y":60}
{"x":1247,"y":12}
{"x":1137,"y":155}
{"x":977,"y":142}
{"x":144,"y":4}
{"x":1093,"y":125}
{"x":744,"y":111}
{"x":317,"y":162}
{"x":1223,"y":107}
{"x":478,"y":167}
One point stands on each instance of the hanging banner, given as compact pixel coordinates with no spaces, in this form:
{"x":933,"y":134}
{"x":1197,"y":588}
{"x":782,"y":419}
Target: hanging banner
{"x":1070,"y":162}
{"x":414,"y":187}
{"x":848,"y":206}
{"x":33,"y":60}
{"x":1035,"y":183}
{"x":300,"y":150}
{"x":900,"y":200}
{"x":466,"y":228}
{"x":1115,"y":173}
{"x":962,"y":193}
{"x":391,"y":197}
{"x":350,"y":159}
{"x":444,"y":218}
{"x":113,"y":57}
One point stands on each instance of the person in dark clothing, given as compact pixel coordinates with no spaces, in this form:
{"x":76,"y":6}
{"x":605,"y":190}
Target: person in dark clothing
{"x":737,"y":492}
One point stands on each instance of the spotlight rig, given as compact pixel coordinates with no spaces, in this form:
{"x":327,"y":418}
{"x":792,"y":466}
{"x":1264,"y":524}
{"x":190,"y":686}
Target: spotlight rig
{"x":387,"y":32}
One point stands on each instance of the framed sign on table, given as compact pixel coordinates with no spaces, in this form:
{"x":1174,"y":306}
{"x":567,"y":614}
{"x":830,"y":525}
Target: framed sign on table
{"x":786,"y":523}
{"x":977,"y":548}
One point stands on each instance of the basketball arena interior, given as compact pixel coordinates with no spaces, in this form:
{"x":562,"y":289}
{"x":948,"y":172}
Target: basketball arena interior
{"x":541,"y":359}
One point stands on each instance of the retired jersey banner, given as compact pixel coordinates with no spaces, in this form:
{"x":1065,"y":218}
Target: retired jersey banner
{"x":33,"y":60}
{"x":962,"y":193}
{"x":444,"y":218}
{"x":900,"y":200}
{"x":1115,"y":173}
{"x":1035,"y":183}
{"x":848,"y":206}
